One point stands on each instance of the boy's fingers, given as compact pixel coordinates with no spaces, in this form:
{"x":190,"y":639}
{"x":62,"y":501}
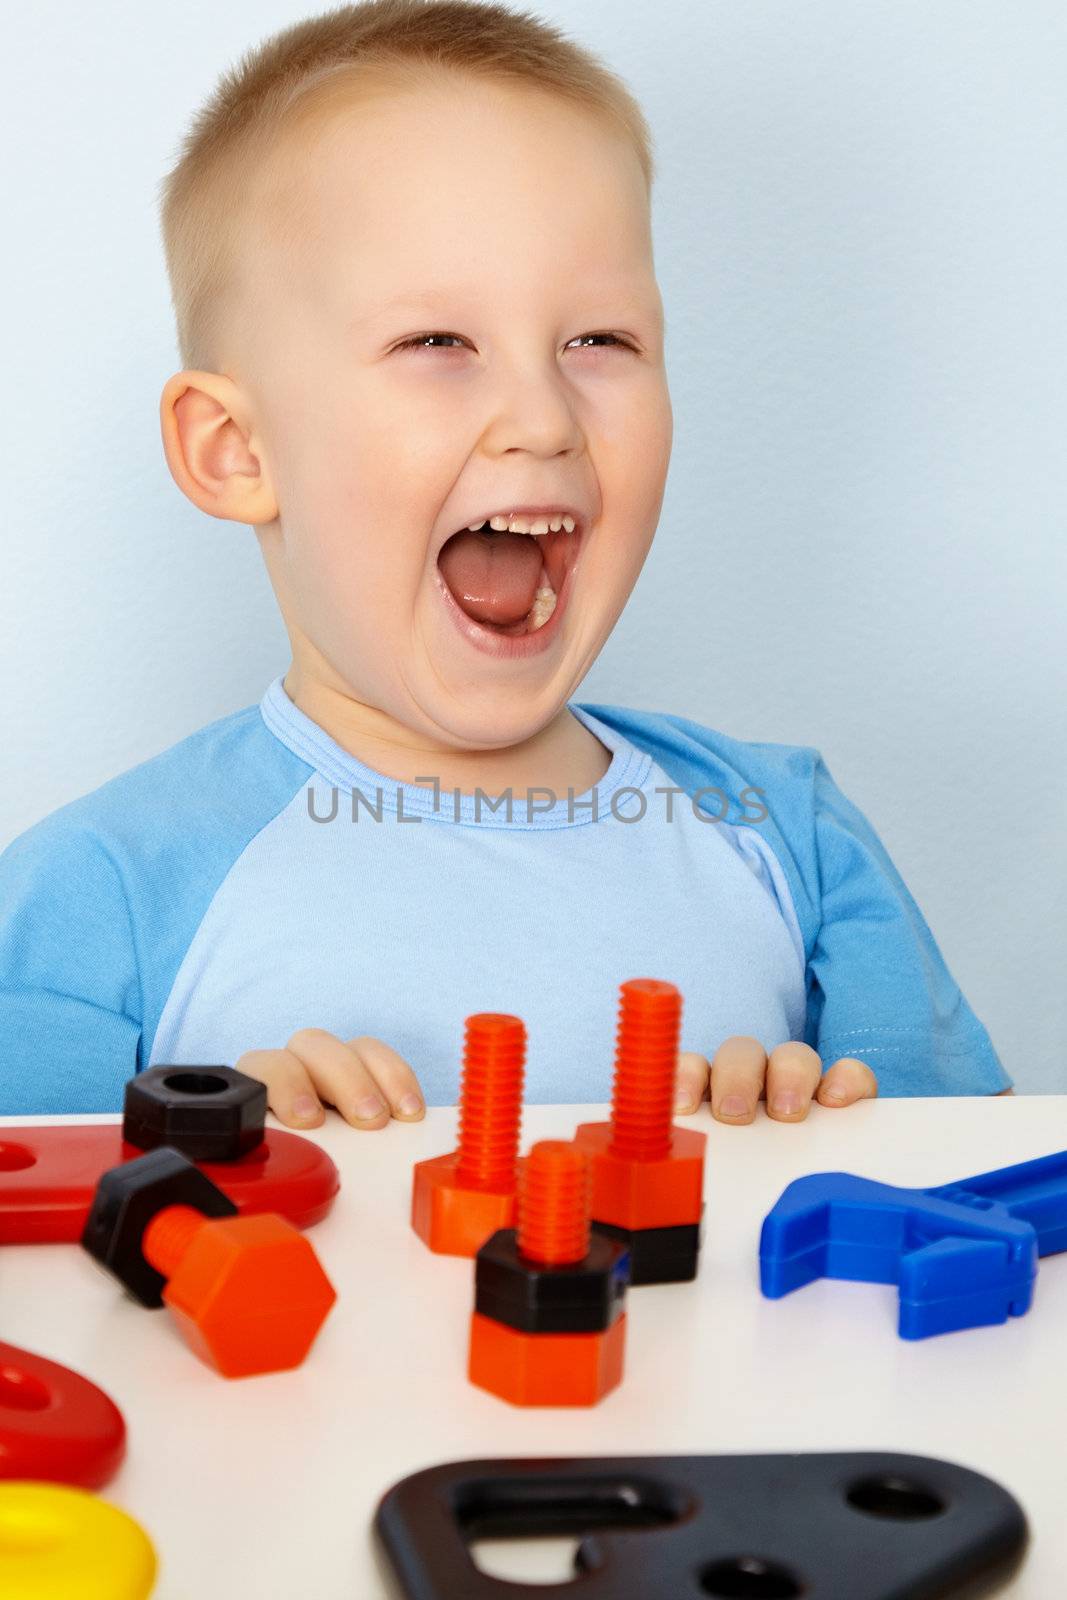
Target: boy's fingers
{"x":290,"y":1092}
{"x":793,"y":1073}
{"x":737,"y":1070}
{"x":846,"y":1082}
{"x":691,"y":1083}
{"x":394,"y":1077}
{"x":341,"y":1077}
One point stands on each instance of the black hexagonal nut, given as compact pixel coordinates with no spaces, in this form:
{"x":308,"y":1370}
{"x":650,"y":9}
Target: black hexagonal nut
{"x":658,"y":1255}
{"x":208,"y":1113}
{"x":581,"y":1297}
{"x":126,"y":1200}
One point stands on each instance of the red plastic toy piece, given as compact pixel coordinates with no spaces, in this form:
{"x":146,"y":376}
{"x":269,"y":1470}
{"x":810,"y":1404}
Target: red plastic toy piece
{"x":549,"y":1325}
{"x":248,"y":1293}
{"x":648,"y":1175}
{"x":48,"y":1176}
{"x":54,"y":1424}
{"x":458,"y":1200}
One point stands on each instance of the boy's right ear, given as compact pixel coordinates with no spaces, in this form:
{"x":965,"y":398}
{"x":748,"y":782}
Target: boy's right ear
{"x":211,"y":452}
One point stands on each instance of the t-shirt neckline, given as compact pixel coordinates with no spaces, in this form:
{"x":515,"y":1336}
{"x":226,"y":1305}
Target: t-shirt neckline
{"x":629,"y":768}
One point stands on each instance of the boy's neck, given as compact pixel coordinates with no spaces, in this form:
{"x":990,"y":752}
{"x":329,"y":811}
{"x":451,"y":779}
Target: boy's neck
{"x":560,"y":756}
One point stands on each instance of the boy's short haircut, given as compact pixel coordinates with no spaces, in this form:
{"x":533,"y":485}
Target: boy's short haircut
{"x":297,"y":78}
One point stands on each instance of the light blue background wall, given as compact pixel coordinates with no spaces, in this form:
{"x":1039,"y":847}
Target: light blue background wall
{"x":861,"y":240}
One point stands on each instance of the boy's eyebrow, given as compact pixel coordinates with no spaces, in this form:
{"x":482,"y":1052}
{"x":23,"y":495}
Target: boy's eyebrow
{"x":428,"y":299}
{"x":417,"y":297}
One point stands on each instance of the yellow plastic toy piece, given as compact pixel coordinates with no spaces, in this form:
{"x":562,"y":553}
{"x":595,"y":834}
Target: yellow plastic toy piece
{"x":57,"y":1543}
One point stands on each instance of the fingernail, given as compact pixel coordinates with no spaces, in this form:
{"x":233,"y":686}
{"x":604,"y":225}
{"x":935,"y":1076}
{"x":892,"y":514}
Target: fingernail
{"x":410,"y":1105}
{"x":785,"y":1104}
{"x":834,"y":1096}
{"x":683,"y":1103}
{"x":368,"y":1109}
{"x":304,"y":1106}
{"x":734,"y":1106}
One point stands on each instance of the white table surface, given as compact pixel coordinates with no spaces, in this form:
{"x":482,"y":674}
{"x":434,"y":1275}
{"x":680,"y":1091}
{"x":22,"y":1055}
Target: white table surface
{"x":266,"y":1486}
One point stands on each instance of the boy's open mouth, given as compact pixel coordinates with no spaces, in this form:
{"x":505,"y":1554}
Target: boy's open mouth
{"x":506,"y":581}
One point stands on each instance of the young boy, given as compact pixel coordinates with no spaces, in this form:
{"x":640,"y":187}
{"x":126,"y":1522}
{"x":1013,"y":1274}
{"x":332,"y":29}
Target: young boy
{"x":411,"y":258}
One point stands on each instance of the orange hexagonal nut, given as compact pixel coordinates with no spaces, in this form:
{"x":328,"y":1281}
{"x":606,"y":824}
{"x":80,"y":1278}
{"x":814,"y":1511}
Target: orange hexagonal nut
{"x":545,"y":1369}
{"x":627,"y":1193}
{"x":451,"y":1219}
{"x":248,"y":1293}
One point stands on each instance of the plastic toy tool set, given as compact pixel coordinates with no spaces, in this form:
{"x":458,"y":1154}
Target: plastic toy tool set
{"x":195,"y":1206}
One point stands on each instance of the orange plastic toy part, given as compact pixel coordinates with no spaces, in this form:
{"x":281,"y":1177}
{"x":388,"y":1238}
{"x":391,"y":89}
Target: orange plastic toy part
{"x":48,"y":1176}
{"x":458,"y":1200}
{"x":546,"y":1369}
{"x":248,"y":1293}
{"x":553,"y":1204}
{"x":549,"y":1369}
{"x":646,"y":1172}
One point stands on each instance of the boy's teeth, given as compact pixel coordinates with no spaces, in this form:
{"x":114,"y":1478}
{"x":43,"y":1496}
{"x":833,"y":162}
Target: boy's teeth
{"x":539,"y":525}
{"x":542,"y":608}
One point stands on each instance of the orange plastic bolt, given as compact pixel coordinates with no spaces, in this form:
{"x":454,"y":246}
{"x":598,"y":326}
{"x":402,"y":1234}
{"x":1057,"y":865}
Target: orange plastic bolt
{"x":459,"y":1199}
{"x":248,"y":1292}
{"x":646,"y":1061}
{"x":549,"y":1369}
{"x":647,"y":1173}
{"x":494,"y":1056}
{"x":554,"y":1199}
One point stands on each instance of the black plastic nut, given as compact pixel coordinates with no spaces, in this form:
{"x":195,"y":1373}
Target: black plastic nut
{"x":208,"y":1113}
{"x":657,"y":1255}
{"x":126,"y":1200}
{"x":583,"y":1297}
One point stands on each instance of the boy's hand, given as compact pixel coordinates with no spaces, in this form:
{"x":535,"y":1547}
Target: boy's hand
{"x":742,"y":1073}
{"x":363,"y":1078}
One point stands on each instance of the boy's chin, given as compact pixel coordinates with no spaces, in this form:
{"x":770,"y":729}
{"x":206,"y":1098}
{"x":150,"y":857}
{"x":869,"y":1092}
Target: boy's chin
{"x":488,"y":718}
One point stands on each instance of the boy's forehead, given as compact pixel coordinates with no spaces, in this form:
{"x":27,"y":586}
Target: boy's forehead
{"x":420,"y":186}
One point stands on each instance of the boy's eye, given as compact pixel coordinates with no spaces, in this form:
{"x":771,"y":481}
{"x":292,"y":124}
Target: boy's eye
{"x":613,"y":336}
{"x":419,"y":340}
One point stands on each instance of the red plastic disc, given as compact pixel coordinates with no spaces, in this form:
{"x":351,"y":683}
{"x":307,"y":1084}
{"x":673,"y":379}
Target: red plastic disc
{"x":54,"y":1424}
{"x":48,"y":1176}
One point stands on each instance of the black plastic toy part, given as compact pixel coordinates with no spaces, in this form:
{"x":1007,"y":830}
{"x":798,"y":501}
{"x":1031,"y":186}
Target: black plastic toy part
{"x":581,"y":1297}
{"x":869,"y":1526}
{"x":208,"y":1113}
{"x":658,"y":1255}
{"x":126,"y":1200}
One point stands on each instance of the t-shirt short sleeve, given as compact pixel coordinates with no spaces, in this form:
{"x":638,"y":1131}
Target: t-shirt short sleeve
{"x":879,"y":988}
{"x":70,"y":1003}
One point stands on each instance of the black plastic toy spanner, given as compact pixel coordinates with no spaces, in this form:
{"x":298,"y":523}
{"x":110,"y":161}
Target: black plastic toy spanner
{"x":870,"y":1526}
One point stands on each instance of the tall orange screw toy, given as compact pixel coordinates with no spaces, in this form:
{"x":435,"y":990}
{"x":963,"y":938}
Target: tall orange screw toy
{"x":549,"y":1321}
{"x":648,"y":1175}
{"x":459,"y":1199}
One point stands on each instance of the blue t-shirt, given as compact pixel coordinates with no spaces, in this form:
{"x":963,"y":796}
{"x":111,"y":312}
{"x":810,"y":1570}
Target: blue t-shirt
{"x":256,"y":878}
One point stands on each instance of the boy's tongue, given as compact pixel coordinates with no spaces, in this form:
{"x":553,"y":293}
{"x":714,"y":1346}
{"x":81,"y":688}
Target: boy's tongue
{"x":493,"y":576}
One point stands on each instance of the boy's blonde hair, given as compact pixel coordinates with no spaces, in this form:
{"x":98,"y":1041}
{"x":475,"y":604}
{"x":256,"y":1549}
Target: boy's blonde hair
{"x":304,"y":70}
